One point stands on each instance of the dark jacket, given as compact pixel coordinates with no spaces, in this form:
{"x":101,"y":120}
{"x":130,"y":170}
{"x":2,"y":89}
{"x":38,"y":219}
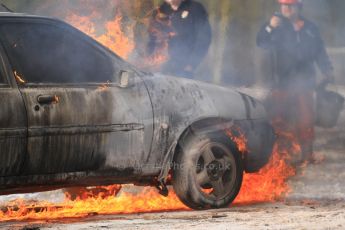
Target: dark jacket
{"x":187,"y":32}
{"x":295,"y":53}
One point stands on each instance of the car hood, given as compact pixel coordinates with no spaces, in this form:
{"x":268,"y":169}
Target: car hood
{"x":194,"y":99}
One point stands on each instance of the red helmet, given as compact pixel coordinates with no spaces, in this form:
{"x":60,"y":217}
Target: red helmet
{"x":290,"y":2}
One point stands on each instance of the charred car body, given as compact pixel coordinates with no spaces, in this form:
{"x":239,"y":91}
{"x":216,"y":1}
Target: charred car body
{"x":75,"y":114}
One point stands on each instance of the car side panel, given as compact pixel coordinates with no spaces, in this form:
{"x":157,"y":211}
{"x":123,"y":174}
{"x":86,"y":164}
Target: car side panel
{"x":13,"y":124}
{"x":179,"y":103}
{"x":90,"y":128}
{"x":13,"y":132}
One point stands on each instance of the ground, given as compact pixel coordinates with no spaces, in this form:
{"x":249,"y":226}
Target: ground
{"x":289,"y":215}
{"x":317,"y":202}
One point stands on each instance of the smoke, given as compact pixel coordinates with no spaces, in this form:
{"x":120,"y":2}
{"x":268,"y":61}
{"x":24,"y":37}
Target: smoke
{"x":99,"y":12}
{"x":246,"y":65}
{"x":234,"y":59}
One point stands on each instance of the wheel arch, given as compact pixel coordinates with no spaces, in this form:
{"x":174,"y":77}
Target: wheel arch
{"x":208,"y":124}
{"x":254,"y":131}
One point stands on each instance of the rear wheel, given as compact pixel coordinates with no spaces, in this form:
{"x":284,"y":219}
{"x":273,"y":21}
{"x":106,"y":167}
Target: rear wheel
{"x":207,"y":171}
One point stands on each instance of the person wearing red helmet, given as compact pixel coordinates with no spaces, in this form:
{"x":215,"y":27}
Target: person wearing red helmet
{"x":296,"y":47}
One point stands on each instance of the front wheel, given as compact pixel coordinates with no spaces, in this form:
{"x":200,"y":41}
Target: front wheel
{"x":207,"y":171}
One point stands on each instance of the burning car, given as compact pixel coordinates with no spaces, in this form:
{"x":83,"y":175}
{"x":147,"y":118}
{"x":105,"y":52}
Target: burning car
{"x":75,"y":114}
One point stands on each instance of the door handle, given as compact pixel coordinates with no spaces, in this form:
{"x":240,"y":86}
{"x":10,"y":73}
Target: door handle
{"x":47,"y":99}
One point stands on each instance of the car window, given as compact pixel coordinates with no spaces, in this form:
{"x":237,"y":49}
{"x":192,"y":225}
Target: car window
{"x":44,"y":53}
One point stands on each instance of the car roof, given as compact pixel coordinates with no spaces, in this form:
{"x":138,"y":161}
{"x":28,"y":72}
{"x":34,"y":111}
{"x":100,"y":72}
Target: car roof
{"x":24,"y":15}
{"x":10,"y":15}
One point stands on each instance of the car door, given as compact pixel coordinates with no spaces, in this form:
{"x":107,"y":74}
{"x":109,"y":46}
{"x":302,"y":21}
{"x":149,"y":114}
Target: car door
{"x":13,"y":130}
{"x":79,"y":118}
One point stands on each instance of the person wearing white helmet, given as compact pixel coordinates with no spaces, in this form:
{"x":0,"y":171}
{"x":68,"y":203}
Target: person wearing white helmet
{"x":296,"y":47}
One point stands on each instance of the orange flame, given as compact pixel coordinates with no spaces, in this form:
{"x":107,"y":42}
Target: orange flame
{"x":81,"y":193}
{"x":120,"y":39}
{"x":114,"y":38}
{"x":147,"y":201}
{"x":159,"y":55}
{"x":103,"y":87}
{"x":56,"y":99}
{"x":268,"y":185}
{"x":155,"y":61}
{"x":19,"y":78}
{"x":239,"y":139}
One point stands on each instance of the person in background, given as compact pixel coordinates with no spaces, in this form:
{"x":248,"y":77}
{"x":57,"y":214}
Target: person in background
{"x":183,"y":27}
{"x":296,"y":46}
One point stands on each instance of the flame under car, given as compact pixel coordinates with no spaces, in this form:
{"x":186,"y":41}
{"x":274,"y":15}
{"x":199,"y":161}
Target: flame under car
{"x":73,"y":113}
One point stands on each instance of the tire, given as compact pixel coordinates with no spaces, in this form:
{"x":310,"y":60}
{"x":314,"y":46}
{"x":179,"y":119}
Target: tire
{"x":207,"y":171}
